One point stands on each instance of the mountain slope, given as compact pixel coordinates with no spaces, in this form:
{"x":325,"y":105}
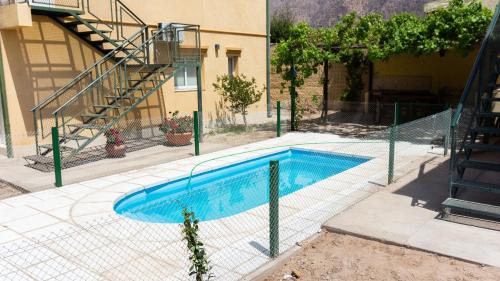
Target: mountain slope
{"x":326,"y":12}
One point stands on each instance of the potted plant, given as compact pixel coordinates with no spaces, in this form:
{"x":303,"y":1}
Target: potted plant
{"x":178,"y":130}
{"x":115,"y":147}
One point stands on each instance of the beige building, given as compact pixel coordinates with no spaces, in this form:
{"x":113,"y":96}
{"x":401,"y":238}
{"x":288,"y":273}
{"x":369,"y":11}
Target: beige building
{"x":42,"y":49}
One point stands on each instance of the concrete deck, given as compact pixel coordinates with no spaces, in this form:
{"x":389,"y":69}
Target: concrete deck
{"x":77,"y":227}
{"x":407,"y":213}
{"x":73,"y":233}
{"x":16,"y":172}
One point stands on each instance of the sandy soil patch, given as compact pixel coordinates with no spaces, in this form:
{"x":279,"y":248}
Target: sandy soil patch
{"x":7,"y":190}
{"x":341,"y":257}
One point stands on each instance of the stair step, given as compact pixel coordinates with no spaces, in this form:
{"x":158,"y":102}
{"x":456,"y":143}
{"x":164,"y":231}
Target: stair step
{"x":493,"y":85}
{"x":88,"y":33}
{"x":480,"y":165}
{"x":489,"y":114}
{"x":472,"y":207}
{"x":77,"y":22}
{"x":95,"y":116}
{"x":119,"y":97}
{"x":39,"y":159}
{"x":491,"y":99}
{"x":98,"y":42}
{"x":75,"y":137}
{"x":121,"y":49}
{"x":477,"y":185}
{"x":488,"y":130}
{"x":61,"y":147}
{"x":111,"y":106}
{"x":86,"y":126}
{"x":144,"y":80}
{"x":483,"y":147}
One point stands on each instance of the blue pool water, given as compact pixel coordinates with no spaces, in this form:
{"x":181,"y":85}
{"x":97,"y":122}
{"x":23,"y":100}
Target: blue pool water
{"x":233,"y":189}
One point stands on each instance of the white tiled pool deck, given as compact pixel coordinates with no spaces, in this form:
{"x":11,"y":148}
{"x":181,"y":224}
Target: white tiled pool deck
{"x":72,"y":233}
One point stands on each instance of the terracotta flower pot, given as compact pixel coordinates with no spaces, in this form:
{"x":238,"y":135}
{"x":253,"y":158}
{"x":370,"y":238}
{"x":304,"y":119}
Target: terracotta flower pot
{"x":115,"y":151}
{"x":178,"y":139}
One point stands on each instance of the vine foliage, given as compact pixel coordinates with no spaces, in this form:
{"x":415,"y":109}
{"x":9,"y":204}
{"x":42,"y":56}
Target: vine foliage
{"x":355,"y":41}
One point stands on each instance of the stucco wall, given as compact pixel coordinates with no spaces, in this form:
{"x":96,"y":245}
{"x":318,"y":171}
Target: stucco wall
{"x":40,"y":59}
{"x":445,"y":75}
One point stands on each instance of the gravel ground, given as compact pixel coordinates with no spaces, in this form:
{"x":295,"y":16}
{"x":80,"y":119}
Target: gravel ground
{"x":341,"y":257}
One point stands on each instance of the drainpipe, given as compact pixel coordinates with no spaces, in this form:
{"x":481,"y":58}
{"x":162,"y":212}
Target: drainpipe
{"x":268,"y":60}
{"x":5,"y":109}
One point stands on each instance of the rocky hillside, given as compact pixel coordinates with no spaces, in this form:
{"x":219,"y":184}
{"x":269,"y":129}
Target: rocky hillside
{"x":326,"y":12}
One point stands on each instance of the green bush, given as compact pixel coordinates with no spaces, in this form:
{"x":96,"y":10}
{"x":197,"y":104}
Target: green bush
{"x":238,"y":92}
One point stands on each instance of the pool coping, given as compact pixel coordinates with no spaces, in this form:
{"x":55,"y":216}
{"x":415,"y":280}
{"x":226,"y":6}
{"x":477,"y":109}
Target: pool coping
{"x":155,"y":187}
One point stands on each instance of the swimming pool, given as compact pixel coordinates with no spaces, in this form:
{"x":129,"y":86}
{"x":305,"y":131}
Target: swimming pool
{"x":233,"y":189}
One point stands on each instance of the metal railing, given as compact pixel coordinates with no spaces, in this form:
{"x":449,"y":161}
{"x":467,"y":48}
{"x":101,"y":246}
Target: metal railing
{"x":153,"y":57}
{"x":482,"y":81}
{"x":43,"y":110}
{"x":73,"y":4}
{"x":118,"y":14}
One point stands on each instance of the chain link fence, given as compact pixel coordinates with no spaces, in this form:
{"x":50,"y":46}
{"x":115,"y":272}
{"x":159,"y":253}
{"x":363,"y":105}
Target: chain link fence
{"x":320,"y":174}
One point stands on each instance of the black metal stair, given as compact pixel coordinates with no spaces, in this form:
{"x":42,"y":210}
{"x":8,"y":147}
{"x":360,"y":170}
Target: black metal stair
{"x":489,"y":114}
{"x":470,"y":208}
{"x":485,"y":166}
{"x":129,"y":72}
{"x":476,"y":131}
{"x":486,"y":130}
{"x":469,"y":184}
{"x":483,"y":147}
{"x":88,"y":31}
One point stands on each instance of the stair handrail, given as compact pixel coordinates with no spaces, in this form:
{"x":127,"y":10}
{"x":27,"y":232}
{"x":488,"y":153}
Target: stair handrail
{"x":172,"y":27}
{"x":167,"y":33}
{"x":116,"y":18}
{"x":105,"y":74}
{"x":116,"y":8}
{"x":476,"y":67}
{"x":108,"y":56}
{"x":477,"y":83}
{"x":94,"y":69}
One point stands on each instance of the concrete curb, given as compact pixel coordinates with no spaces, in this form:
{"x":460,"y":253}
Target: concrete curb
{"x":392,"y":243}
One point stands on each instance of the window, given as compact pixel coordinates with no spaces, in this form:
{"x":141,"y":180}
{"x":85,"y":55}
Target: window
{"x":232,"y":63}
{"x":185,"y":79}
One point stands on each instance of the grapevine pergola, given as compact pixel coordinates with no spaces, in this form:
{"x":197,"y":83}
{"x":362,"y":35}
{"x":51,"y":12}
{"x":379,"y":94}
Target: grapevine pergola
{"x":356,"y":42}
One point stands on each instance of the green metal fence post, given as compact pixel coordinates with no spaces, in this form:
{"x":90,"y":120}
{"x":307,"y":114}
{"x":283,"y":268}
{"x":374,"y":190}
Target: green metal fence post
{"x":57,"y":156}
{"x":392,"y":146}
{"x":196,"y":121}
{"x":397,"y":114}
{"x":274,"y":208}
{"x":5,"y":111}
{"x":447,"y":126}
{"x":278,"y":119}
{"x":392,"y":142}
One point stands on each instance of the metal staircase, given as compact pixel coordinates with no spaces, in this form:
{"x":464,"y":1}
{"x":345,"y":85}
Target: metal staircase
{"x":475,"y":131}
{"x":137,"y":60}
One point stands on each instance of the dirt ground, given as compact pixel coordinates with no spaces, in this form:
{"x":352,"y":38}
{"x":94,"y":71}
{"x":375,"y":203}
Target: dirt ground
{"x":341,"y":257}
{"x":7,"y":190}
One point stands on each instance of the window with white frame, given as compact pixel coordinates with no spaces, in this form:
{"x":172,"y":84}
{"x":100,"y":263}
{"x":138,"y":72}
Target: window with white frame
{"x":185,"y":79}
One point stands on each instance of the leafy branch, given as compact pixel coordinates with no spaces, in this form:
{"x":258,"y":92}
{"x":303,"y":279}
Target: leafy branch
{"x":200,"y":267}
{"x":355,"y":41}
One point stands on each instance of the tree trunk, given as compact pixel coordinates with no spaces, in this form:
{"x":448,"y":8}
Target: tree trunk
{"x":324,"y":112}
{"x":244,"y":115}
